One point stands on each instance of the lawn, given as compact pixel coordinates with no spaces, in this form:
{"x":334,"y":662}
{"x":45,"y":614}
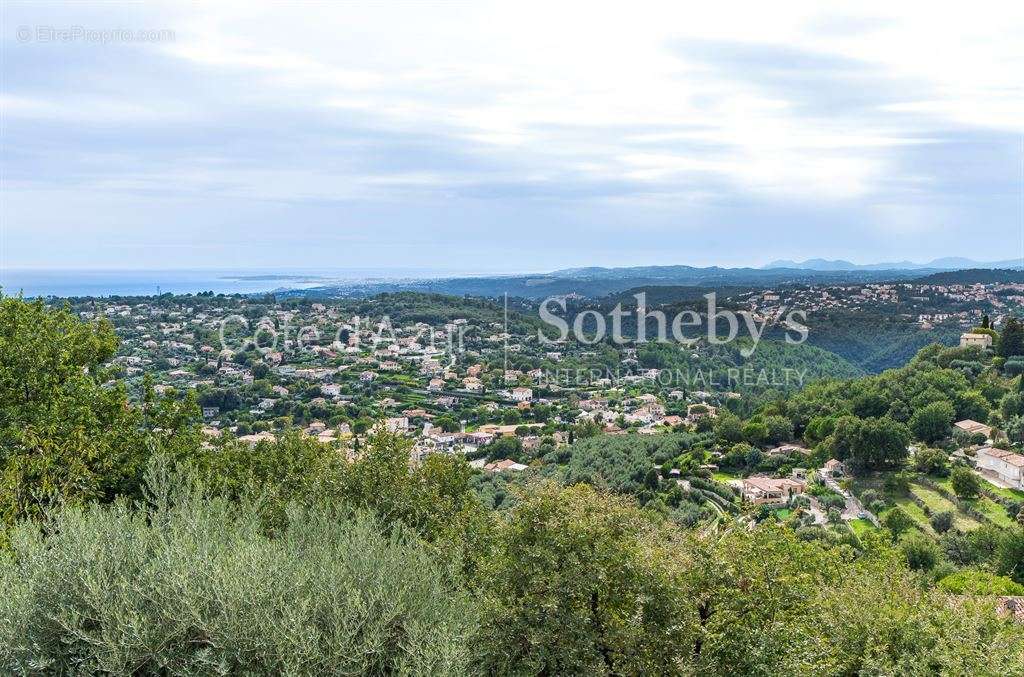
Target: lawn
{"x":861,"y":526}
{"x":915,"y":512}
{"x":1012,"y":494}
{"x":992,"y":510}
{"x":724,"y":477}
{"x":937,"y":503}
{"x":783,"y":513}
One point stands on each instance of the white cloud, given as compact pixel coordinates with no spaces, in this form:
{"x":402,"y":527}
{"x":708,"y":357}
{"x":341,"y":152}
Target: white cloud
{"x":651,"y":103}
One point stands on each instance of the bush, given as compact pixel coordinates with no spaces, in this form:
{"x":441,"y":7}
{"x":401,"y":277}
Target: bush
{"x":942,"y":521}
{"x":965,"y":483}
{"x":978,"y":582}
{"x":190,"y":585}
{"x":920,"y":551}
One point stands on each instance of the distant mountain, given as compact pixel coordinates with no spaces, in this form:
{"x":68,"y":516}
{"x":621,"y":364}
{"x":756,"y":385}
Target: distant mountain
{"x":595,"y":282}
{"x":943,"y":264}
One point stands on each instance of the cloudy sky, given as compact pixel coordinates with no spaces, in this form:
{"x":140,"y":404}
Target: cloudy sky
{"x":508,"y":136}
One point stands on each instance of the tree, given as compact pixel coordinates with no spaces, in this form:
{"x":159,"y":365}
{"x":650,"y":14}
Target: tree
{"x":920,"y":551}
{"x":755,"y":432}
{"x":972,"y":405}
{"x":878,"y":443}
{"x":728,"y":428}
{"x":1011,"y":339}
{"x":65,"y":435}
{"x":1015,"y":430}
{"x":1009,"y":556}
{"x":75,"y":601}
{"x":780,"y":429}
{"x":870,"y":405}
{"x":931,"y":462}
{"x":965,"y":483}
{"x":932,"y":423}
{"x":447,"y":423}
{"x":897,"y":521}
{"x":510,"y":447}
{"x":1012,"y":405}
{"x":572,"y":565}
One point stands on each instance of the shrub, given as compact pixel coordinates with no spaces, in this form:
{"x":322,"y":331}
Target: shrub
{"x":920,"y":551}
{"x":979,"y":582}
{"x":942,"y":521}
{"x":191,"y":585}
{"x":965,"y":483}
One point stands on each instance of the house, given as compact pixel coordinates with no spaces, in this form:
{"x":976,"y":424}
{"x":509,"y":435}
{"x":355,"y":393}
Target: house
{"x":759,"y":490}
{"x":397,"y":424}
{"x":501,"y":466}
{"x":210,"y":412}
{"x":479,"y":438}
{"x":695,"y":412}
{"x":257,"y":438}
{"x":1006,"y":466}
{"x":367,"y":376}
{"x":789,"y":450}
{"x":522,"y":394}
{"x":973,"y":427}
{"x":833,"y":467}
{"x":970,"y":339}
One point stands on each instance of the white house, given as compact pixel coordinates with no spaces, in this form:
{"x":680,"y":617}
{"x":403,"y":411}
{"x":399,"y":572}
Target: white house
{"x":1005,"y":465}
{"x":522,"y":394}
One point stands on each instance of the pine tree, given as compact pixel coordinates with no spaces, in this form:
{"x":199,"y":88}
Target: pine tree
{"x":1011,"y":341}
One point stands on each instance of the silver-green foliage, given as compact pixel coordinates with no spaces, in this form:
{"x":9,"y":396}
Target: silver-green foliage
{"x":192,"y":585}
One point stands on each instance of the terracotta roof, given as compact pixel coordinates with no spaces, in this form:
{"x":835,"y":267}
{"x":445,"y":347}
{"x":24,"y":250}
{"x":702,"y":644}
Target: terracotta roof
{"x":1004,"y":456}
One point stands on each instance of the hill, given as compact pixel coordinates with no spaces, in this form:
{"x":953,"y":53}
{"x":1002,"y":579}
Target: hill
{"x":974,"y":276}
{"x":943,"y":264}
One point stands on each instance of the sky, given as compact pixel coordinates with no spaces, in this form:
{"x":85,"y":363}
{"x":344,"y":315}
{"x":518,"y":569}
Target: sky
{"x":502,"y":137}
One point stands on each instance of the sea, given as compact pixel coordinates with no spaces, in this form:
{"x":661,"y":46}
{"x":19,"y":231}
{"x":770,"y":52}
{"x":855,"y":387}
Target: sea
{"x":122,"y":282}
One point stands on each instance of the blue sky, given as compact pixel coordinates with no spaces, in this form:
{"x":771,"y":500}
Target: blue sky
{"x":509,"y":136}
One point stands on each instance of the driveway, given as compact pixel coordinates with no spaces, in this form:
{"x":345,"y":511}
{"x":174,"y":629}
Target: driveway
{"x":853,"y":507}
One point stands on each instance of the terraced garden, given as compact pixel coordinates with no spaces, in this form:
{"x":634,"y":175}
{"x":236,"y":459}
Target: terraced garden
{"x":993,"y":511}
{"x":937,"y":503}
{"x":916,"y":513}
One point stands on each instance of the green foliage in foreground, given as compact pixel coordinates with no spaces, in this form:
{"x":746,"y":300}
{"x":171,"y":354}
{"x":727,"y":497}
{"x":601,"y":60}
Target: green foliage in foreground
{"x":979,"y":582}
{"x":189,"y":585}
{"x":571,"y":580}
